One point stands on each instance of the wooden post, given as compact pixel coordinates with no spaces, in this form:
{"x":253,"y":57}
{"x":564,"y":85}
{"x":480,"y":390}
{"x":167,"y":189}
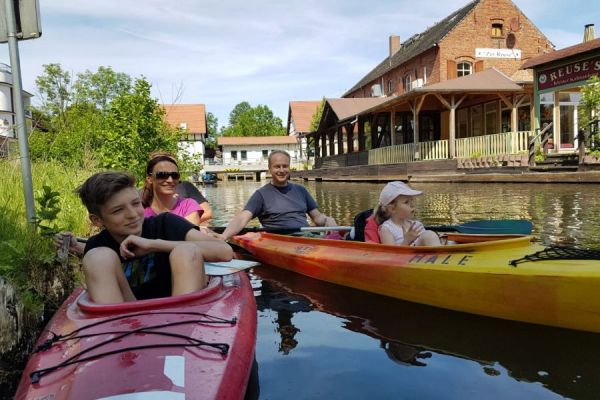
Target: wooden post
{"x":350,"y":137}
{"x":392,"y":128}
{"x":361,"y":134}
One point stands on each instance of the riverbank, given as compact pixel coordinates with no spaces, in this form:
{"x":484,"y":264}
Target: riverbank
{"x":443,"y":171}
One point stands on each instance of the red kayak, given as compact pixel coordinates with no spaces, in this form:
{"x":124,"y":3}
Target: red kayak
{"x":196,"y":346}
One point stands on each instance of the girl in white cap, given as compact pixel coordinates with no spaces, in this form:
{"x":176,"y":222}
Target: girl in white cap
{"x":393,"y":215}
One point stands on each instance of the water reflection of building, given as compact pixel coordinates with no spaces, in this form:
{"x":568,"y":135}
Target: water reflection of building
{"x":8,"y":134}
{"x":561,"y":360}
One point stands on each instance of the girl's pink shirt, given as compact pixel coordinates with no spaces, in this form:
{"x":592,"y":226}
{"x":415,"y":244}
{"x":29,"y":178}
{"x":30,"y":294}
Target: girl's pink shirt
{"x":183,"y":208}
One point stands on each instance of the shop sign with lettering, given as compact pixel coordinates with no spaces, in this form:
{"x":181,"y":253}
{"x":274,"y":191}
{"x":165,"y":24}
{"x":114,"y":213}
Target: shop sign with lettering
{"x":498,"y":53}
{"x":579,"y":71}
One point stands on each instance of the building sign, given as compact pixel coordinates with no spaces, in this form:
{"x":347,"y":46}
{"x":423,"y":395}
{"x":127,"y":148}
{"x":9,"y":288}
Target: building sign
{"x":498,"y":53}
{"x":579,"y":71}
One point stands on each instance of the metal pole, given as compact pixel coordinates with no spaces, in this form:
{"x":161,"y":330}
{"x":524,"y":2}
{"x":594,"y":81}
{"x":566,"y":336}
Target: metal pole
{"x":17,"y":93}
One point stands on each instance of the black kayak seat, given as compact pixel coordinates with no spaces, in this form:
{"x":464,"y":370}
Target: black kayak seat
{"x":360,"y":222}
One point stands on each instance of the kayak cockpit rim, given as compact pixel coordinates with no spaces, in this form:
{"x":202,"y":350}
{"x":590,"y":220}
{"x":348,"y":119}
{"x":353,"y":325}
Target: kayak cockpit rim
{"x":494,"y":242}
{"x":87,"y":305}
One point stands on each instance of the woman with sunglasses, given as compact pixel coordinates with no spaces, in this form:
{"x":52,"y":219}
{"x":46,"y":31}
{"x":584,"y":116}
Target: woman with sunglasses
{"x":160,"y":191}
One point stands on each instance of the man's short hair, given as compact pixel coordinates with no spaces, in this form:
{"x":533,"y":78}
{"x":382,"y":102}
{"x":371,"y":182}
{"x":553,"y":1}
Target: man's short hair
{"x":285,"y":153}
{"x":100,"y":187}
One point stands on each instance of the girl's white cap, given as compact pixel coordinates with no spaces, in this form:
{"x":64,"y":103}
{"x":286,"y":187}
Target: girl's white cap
{"x":395,"y":189}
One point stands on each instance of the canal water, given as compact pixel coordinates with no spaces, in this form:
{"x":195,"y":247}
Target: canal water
{"x":321,"y":341}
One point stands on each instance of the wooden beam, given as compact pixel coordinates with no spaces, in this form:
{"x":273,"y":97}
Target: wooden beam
{"x":509,"y":103}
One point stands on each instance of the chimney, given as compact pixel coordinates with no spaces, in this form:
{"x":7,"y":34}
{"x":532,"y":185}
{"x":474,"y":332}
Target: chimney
{"x":394,"y":44}
{"x":589,"y":33}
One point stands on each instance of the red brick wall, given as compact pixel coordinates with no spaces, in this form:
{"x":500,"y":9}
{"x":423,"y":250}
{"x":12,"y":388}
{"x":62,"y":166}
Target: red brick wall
{"x":460,"y":44}
{"x":475,"y":31}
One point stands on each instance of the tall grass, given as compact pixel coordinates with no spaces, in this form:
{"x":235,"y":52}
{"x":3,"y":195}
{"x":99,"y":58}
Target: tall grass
{"x":27,"y":259}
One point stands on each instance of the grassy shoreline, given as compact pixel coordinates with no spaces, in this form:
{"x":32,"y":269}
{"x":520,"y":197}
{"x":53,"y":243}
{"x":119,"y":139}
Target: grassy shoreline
{"x":27,"y":259}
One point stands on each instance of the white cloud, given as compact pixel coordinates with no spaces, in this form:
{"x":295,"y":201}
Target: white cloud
{"x":263,"y":51}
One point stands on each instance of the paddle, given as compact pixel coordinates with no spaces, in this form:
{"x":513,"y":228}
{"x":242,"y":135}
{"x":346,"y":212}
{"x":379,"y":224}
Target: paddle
{"x":228,"y":267}
{"x":489,"y":226}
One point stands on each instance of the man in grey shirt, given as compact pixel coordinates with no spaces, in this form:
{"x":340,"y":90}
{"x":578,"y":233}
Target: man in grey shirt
{"x":279,"y":204}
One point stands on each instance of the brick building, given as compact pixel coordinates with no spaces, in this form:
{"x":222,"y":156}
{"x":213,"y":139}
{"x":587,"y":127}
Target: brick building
{"x":453,"y":91}
{"x":483,"y":34}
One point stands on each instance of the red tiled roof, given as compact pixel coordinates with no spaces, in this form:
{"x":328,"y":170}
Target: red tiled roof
{"x":301,"y":113}
{"x":249,"y":140}
{"x":193,"y":115}
{"x":562,"y":53}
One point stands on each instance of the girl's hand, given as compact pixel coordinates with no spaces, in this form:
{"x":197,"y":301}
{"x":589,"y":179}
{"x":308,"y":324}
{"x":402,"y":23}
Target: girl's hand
{"x":412,"y":233}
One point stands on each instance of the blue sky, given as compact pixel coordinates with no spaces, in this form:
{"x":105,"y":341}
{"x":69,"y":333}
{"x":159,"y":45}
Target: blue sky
{"x":262,"y":51}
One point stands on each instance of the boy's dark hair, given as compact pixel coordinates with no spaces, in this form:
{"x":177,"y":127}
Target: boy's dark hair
{"x":100,"y":187}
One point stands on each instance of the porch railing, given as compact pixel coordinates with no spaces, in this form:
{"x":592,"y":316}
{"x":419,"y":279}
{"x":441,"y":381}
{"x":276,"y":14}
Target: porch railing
{"x":409,"y":152}
{"x":491,"y":145}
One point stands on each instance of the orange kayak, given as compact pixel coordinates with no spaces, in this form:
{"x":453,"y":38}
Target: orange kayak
{"x":475,"y":275}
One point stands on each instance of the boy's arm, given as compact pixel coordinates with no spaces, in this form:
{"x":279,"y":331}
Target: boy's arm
{"x":212,"y":249}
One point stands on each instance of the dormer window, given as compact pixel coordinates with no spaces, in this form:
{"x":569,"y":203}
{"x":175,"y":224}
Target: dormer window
{"x":464,"y":68}
{"x":497,"y":29}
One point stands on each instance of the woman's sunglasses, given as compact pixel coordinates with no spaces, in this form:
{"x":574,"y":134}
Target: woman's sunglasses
{"x":165,"y":175}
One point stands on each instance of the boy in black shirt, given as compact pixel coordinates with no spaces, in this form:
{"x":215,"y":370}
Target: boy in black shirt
{"x":136,"y":258}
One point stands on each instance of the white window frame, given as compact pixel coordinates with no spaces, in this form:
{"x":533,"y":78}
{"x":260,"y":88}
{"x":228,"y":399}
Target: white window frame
{"x":461,"y":70}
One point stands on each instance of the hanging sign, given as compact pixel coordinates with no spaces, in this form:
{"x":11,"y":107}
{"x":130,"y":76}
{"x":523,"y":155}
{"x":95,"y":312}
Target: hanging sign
{"x":578,"y":71}
{"x":498,"y":53}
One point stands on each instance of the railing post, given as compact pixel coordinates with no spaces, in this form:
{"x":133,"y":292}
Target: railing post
{"x":531,"y":150}
{"x":581,"y":144}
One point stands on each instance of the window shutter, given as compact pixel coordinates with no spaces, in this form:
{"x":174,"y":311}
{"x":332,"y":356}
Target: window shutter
{"x":451,"y":69}
{"x":478,"y":66}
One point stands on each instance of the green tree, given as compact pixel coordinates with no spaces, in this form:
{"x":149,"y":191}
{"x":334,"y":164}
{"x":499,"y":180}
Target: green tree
{"x":75,"y":141}
{"x":54,"y":88}
{"x":589,"y":111}
{"x":257,"y":121}
{"x":238,"y":110}
{"x":212,"y":130}
{"x":316,"y":118}
{"x":135,"y":127}
{"x":100,"y":87}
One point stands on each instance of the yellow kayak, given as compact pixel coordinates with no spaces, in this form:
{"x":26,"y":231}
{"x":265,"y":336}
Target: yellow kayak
{"x":503,"y":276}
